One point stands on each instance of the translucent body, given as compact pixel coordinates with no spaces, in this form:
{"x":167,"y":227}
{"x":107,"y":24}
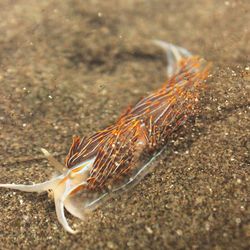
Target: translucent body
{"x":118,"y":157}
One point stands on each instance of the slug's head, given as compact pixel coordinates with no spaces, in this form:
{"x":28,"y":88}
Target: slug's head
{"x":63,"y":187}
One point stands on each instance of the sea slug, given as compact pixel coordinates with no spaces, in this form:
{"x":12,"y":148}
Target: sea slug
{"x":117,"y":157}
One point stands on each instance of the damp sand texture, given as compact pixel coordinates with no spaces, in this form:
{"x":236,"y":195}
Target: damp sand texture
{"x":71,"y":67}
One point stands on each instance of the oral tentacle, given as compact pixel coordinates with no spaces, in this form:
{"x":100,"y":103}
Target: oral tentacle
{"x":40,"y":187}
{"x":61,"y":216}
{"x":60,"y":198}
{"x":75,"y":210}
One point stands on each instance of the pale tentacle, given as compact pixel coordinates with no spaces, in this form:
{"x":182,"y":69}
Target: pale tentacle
{"x":79,"y":205}
{"x":61,"y":216}
{"x":53,"y":161}
{"x":40,"y":187}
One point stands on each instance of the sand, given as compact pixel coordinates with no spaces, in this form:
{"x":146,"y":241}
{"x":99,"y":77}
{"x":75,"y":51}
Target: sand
{"x":71,"y":67}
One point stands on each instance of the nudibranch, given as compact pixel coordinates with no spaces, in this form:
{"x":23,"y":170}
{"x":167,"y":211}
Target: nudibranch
{"x":117,"y":157}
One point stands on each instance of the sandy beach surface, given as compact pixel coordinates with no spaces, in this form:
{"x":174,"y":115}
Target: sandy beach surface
{"x":71,"y":67}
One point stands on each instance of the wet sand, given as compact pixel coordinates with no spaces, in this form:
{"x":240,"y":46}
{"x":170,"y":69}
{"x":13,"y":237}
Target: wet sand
{"x":71,"y":67}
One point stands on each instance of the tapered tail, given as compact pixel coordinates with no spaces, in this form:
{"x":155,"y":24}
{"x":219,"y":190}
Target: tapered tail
{"x":174,"y":55}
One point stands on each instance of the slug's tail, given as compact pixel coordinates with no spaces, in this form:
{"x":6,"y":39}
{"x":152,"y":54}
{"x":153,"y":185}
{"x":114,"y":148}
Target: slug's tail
{"x":184,"y":70}
{"x":174,"y":55}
